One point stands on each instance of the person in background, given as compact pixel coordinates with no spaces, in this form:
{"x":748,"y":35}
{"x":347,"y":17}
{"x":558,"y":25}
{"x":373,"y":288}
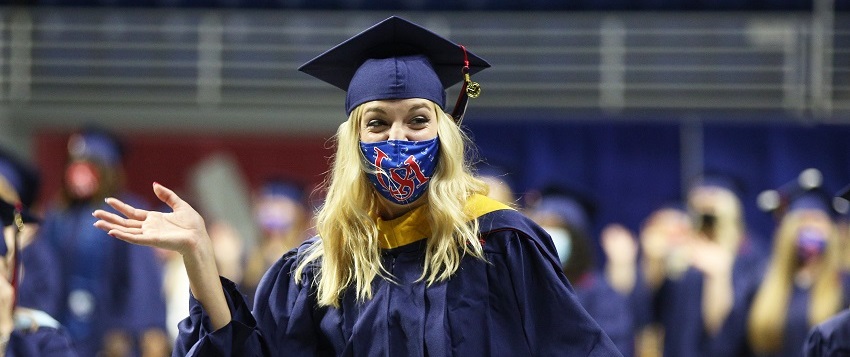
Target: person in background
{"x":499,"y":183}
{"x":803,"y":284}
{"x":23,"y":331}
{"x":411,"y":258}
{"x":695,"y":281}
{"x":110,"y":292}
{"x":282,"y":215}
{"x":604,"y":293}
{"x":831,"y":337}
{"x":664,"y":238}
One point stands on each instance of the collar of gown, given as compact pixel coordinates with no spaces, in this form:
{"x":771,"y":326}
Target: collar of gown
{"x":414,"y":226}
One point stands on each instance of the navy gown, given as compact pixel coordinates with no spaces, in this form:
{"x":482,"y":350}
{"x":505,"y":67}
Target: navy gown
{"x":797,"y":321}
{"x":678,"y":307}
{"x":830,"y":338}
{"x":38,"y":334}
{"x":612,"y":310}
{"x":517,"y":303}
{"x":41,"y":281}
{"x":103,"y":283}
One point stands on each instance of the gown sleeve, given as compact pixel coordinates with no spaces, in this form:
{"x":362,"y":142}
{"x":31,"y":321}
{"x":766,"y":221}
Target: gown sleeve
{"x":37,"y":334}
{"x":282,"y":319}
{"x":45,"y":342}
{"x":553,"y":322}
{"x":41,"y":284}
{"x":830,"y":338}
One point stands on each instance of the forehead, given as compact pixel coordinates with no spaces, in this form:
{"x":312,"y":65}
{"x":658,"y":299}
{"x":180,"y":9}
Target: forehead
{"x":398,"y":104}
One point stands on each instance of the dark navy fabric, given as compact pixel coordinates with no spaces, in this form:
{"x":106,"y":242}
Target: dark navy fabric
{"x":41,"y":281}
{"x":678,"y":307}
{"x":43,"y":342}
{"x":611,"y":310}
{"x":101,"y":283}
{"x":517,"y":303}
{"x":797,"y":321}
{"x":830,"y":338}
{"x":733,"y":341}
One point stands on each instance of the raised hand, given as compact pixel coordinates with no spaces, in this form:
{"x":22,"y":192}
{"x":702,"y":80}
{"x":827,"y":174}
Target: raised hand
{"x":619,"y":245}
{"x":182,"y":230}
{"x":621,"y":248}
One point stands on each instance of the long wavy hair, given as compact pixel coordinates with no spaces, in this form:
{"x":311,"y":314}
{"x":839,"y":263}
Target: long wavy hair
{"x":768,"y":314}
{"x":348,"y":253}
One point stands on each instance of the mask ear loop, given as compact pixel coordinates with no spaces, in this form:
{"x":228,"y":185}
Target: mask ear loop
{"x":469,"y":89}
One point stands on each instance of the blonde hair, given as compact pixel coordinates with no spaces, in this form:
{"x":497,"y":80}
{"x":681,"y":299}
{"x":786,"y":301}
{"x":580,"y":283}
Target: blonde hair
{"x":348,"y":252}
{"x":767,"y":317}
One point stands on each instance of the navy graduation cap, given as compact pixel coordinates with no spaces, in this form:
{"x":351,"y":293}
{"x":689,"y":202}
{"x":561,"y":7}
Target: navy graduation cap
{"x":397,"y":59}
{"x":845,"y":193}
{"x":25,"y":180}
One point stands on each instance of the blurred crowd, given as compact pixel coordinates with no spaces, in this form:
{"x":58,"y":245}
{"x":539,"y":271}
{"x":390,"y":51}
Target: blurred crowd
{"x":691,"y":281}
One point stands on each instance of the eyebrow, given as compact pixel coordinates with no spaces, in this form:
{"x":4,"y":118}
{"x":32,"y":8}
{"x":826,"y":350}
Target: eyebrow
{"x":417,"y":107}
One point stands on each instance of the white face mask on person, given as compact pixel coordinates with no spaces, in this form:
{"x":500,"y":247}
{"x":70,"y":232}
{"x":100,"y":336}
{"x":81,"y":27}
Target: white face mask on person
{"x":563,"y":242}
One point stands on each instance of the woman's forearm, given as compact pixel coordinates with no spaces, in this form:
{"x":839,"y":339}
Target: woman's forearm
{"x":206,"y":286}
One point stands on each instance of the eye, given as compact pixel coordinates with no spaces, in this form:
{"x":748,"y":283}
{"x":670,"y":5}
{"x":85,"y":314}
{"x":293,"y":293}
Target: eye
{"x":419,"y":120}
{"x":374,"y":123}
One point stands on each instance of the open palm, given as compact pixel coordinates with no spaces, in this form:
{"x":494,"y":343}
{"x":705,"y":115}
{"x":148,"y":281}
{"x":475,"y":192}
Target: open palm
{"x":181,"y":230}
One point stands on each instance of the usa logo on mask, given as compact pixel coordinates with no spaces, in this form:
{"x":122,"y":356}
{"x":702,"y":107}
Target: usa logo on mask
{"x":402,"y":168}
{"x":404,"y":179}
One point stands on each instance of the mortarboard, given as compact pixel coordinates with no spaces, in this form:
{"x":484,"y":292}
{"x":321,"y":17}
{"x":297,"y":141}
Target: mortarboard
{"x":282,"y":188}
{"x":397,"y":59}
{"x":814,"y":199}
{"x":572,"y":206}
{"x":845,"y":193}
{"x":93,"y":143}
{"x":804,"y":192}
{"x":25,"y":180}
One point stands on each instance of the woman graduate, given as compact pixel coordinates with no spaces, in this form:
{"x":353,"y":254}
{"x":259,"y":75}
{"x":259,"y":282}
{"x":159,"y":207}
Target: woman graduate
{"x":802,"y":286}
{"x":411,"y":258}
{"x":831,"y":337}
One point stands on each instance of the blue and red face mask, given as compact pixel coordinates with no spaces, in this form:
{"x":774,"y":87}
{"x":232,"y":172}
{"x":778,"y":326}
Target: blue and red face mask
{"x":401,"y":169}
{"x":811,"y":244}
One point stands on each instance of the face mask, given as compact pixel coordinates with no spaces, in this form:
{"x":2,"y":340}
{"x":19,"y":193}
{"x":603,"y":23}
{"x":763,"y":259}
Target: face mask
{"x":563,"y":243}
{"x":82,"y":180}
{"x":402,"y":168}
{"x":276,"y":216}
{"x":811,"y":243}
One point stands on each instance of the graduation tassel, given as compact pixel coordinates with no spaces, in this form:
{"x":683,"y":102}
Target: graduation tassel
{"x":469,"y":89}
{"x":16,"y":242}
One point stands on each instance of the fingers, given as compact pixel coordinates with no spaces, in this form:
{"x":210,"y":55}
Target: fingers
{"x":127,"y":210}
{"x":111,"y":227}
{"x":167,"y":196}
{"x":129,"y":237}
{"x":116,"y":219}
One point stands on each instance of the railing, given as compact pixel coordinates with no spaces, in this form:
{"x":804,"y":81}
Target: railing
{"x":207,"y":68}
